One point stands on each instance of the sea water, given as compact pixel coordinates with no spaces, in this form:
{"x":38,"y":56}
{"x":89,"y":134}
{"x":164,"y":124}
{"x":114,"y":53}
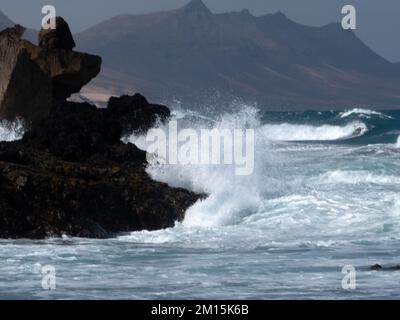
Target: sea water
{"x":325,"y":193}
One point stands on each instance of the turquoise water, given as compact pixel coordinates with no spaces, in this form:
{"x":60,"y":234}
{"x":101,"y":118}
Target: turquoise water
{"x":325,"y":193}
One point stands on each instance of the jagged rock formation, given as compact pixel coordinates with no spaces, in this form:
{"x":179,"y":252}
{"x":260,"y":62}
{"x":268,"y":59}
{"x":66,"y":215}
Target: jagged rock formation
{"x":59,"y":38}
{"x":135,"y":113}
{"x":45,"y":75}
{"x":20,"y":74}
{"x":74,"y":131}
{"x":71,"y":174}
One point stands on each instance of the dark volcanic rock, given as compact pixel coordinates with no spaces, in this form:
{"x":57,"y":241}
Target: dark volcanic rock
{"x":378,"y":267}
{"x":59,"y":38}
{"x":135,"y":113}
{"x":33,"y":79}
{"x":25,"y":90}
{"x":68,"y":71}
{"x":72,"y":175}
{"x":74,"y":131}
{"x":42,"y":195}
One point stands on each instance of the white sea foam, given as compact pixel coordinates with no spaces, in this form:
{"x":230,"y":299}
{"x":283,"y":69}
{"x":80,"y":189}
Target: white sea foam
{"x":226,"y":203}
{"x":276,"y":197}
{"x":398,"y":143}
{"x":293,"y":132}
{"x":364,"y":113}
{"x":357,"y":177}
{"x":11,"y":131}
{"x":307,"y":209}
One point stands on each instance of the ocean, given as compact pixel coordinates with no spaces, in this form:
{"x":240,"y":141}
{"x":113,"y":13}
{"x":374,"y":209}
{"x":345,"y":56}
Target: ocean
{"x":325,"y":193}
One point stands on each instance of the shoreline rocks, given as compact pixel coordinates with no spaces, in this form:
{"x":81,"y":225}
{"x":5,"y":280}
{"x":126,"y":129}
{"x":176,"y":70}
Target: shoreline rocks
{"x":71,"y":174}
{"x":109,"y":193}
{"x":59,"y":38}
{"x":34,"y":78}
{"x":378,"y":267}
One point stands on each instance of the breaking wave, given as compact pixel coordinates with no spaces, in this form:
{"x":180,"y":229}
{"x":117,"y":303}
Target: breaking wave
{"x":292,"y":162}
{"x":11,"y":131}
{"x":363,"y":113}
{"x":291,"y":132}
{"x":357,"y":177}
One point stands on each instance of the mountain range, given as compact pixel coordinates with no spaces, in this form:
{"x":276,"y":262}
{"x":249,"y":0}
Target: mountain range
{"x":6,"y":22}
{"x":200,"y":58}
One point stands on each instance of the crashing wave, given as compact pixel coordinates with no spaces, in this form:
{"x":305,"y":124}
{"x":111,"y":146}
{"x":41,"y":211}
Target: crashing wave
{"x":277,"y":195}
{"x":11,"y":131}
{"x":364,"y":113}
{"x":357,"y":177}
{"x":293,"y":132}
{"x":398,"y":143}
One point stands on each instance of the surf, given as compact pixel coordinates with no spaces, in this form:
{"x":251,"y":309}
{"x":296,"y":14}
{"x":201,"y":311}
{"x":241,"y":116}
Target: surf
{"x":293,"y":132}
{"x":363,"y":113}
{"x":11,"y":131}
{"x":238,"y":201}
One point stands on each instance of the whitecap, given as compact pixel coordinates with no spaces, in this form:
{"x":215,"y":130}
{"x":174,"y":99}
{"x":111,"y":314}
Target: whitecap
{"x":297,"y":132}
{"x":11,"y":131}
{"x":363,"y":112}
{"x":357,"y":177}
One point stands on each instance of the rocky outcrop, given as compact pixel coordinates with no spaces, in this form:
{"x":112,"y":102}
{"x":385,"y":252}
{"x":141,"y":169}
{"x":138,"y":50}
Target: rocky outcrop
{"x":58,"y":38}
{"x":135,"y":114}
{"x":25,"y":90}
{"x":378,"y":267}
{"x":44,"y":196}
{"x":33,"y":78}
{"x":71,"y":174}
{"x":74,"y":131}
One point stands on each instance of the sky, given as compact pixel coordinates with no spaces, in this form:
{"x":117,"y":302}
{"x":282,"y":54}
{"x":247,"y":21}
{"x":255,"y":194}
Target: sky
{"x":378,"y":21}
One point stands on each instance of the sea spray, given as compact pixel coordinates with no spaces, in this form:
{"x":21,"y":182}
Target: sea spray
{"x":288,"y":176}
{"x":203,"y":147}
{"x":307,"y":211}
{"x":297,"y":132}
{"x":11,"y":131}
{"x":233,"y":198}
{"x":364,"y":113}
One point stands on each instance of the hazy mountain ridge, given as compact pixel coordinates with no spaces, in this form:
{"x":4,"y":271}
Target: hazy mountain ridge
{"x":6,"y":22}
{"x":191,"y":53}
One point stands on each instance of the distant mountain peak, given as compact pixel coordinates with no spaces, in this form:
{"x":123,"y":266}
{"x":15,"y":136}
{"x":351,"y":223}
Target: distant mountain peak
{"x":280,"y":15}
{"x":5,"y":21}
{"x":194,"y":55}
{"x":197,"y":6}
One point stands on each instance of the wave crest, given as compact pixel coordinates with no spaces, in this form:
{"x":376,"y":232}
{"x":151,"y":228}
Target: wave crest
{"x":293,"y":132}
{"x":366,"y":113}
{"x":11,"y":131}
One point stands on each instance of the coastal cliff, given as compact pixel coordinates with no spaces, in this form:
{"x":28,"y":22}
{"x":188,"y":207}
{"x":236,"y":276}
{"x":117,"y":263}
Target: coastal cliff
{"x":70,"y":174}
